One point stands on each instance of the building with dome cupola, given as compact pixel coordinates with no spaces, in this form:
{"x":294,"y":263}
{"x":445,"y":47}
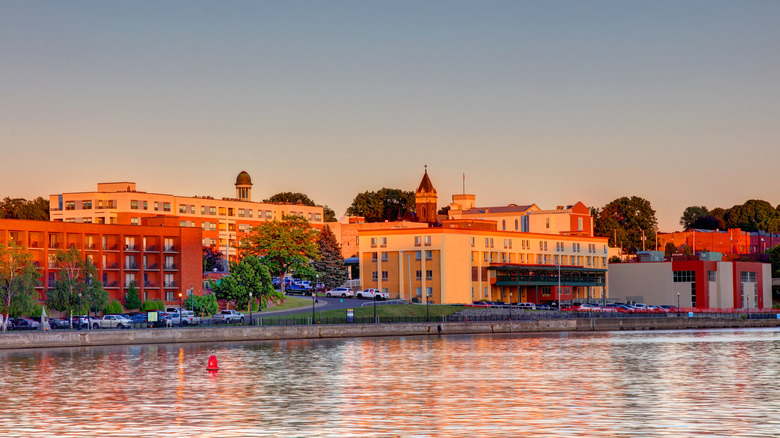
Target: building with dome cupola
{"x":222,"y":220}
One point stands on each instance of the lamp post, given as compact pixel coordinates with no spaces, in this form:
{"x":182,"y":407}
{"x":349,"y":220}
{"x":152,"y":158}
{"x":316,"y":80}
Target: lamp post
{"x":192,"y":299}
{"x":313,"y":300}
{"x":427,"y":308}
{"x":375,"y":308}
{"x":250,"y":308}
{"x":560,"y":301}
{"x":180,"y":304}
{"x":678,"y":304}
{"x":79,"y":318}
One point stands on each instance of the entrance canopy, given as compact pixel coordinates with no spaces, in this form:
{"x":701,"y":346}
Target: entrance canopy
{"x":546,"y":275}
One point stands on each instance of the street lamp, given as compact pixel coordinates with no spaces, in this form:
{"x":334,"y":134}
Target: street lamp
{"x":192,"y":299}
{"x":678,"y":304}
{"x":427,"y":308}
{"x":250,"y":308}
{"x":375,"y":296}
{"x":79,"y":318}
{"x":180,"y":304}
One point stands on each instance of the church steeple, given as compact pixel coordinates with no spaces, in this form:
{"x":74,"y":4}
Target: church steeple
{"x":425,"y":199}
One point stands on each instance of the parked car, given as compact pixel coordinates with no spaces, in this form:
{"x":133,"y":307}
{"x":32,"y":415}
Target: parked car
{"x":528,"y":306}
{"x":25,"y":324}
{"x":543,"y":307}
{"x":228,"y":317}
{"x":480,"y":304}
{"x":184,"y":318}
{"x":111,"y":321}
{"x":297,"y":288}
{"x":59,"y":323}
{"x":343,"y":292}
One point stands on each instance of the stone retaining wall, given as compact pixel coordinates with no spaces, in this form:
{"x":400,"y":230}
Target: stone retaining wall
{"x":17,"y":340}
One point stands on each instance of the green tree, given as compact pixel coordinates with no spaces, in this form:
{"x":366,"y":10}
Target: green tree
{"x":18,"y":278}
{"x":330,"y":267}
{"x":76,"y":275}
{"x":248,"y":275}
{"x":753,"y":215}
{"x":625,"y":221}
{"x":385,"y":204}
{"x":286,"y":246}
{"x":774,"y":259}
{"x":152,"y":305}
{"x":132,"y":299}
{"x":293,"y":198}
{"x":709,"y":222}
{"x":205,"y":305}
{"x":20,"y":208}
{"x":670,"y":249}
{"x":691,"y":215}
{"x":212,"y":259}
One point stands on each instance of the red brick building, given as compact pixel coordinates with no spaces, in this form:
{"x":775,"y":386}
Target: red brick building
{"x":163,"y":259}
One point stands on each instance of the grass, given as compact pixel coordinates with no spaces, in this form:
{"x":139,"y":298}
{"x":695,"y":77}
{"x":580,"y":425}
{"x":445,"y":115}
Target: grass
{"x":382,"y":311}
{"x":291,"y":303}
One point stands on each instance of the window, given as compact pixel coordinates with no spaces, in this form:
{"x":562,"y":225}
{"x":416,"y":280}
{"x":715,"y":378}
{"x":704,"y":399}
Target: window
{"x":146,"y":205}
{"x":213,"y":211}
{"x":383,"y":242}
{"x":485,"y":257}
{"x":418,"y":275}
{"x":711,"y":276}
{"x":168,"y":295}
{"x":579,"y":224}
{"x":374,"y":275}
{"x":427,"y":240}
{"x":385,"y":275}
{"x":373,"y":257}
{"x":70,"y":205}
{"x":419,"y":291}
{"x":503,"y":224}
{"x":515,"y":224}
{"x":684,"y":276}
{"x":547,"y":223}
{"x":134,"y":205}
{"x":429,"y":274}
{"x":373,"y":242}
{"x":418,"y":255}
{"x":156,"y":206}
{"x":86,"y":205}
{"x":203,"y":209}
{"x":472,"y":242}
{"x":192,"y":209}
{"x":249,"y":213}
{"x":384,"y":256}
{"x":428,"y":255}
{"x":487,"y":242}
{"x":182,"y":208}
{"x":135,"y":221}
{"x":546,"y":291}
{"x":167,"y":206}
{"x":428,"y":291}
{"x":417,"y":241}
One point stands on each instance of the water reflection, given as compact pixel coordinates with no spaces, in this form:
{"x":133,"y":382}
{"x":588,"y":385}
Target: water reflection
{"x":675,"y":383}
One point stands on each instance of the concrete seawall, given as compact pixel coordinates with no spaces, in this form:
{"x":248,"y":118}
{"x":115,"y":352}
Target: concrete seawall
{"x":17,"y":340}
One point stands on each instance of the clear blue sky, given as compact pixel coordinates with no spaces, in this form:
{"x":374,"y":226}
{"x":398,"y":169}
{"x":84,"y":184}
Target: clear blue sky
{"x":546,"y":102}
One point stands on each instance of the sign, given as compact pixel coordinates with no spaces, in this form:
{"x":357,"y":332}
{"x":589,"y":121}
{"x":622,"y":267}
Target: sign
{"x":350,"y":315}
{"x":690,"y":314}
{"x":151,"y":316}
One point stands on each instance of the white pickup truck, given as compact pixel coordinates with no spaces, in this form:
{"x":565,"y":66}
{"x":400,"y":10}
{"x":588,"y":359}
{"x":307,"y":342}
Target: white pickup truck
{"x":372,"y":294}
{"x":228,"y":317}
{"x":184,"y":318}
{"x":111,"y":321}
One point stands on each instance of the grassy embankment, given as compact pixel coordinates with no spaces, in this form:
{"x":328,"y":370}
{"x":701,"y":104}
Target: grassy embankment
{"x":382,"y":311}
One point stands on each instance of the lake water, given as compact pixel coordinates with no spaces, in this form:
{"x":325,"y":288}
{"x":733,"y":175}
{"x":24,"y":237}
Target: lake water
{"x":709,"y":383}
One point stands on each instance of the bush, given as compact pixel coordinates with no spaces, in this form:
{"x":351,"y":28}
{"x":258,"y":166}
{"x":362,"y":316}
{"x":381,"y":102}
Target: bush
{"x":415,"y":300}
{"x":114,"y":307}
{"x":153,"y":305}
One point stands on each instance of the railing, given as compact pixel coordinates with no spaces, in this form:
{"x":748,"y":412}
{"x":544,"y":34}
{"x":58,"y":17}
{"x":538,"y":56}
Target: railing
{"x":170,"y":267}
{"x":131,"y":266}
{"x":130,"y":248}
{"x":170,"y":284}
{"x":170,"y":248}
{"x":151,"y":267}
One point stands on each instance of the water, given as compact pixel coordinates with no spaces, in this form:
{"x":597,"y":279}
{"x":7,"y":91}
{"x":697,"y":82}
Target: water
{"x":713,"y":383}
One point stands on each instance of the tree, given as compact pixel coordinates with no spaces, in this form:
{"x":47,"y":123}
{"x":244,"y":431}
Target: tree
{"x":212,"y":259}
{"x":293,"y":198}
{"x":385,"y":204}
{"x":753,"y":215}
{"x":625,"y":221}
{"x":205,"y":305}
{"x":76,"y":275}
{"x":248,"y":275}
{"x":330,"y":267}
{"x":20,"y":208}
{"x":774,"y":259}
{"x":114,"y":307}
{"x":286,"y":246}
{"x":132,"y":299}
{"x":709,"y":222}
{"x":18,"y":278}
{"x":691,"y":215}
{"x":670,"y":249}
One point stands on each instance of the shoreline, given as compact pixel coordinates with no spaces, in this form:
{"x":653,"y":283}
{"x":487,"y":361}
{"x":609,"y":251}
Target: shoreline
{"x":37,"y":339}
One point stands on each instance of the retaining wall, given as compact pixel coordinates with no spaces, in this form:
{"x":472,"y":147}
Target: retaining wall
{"x":17,"y":340}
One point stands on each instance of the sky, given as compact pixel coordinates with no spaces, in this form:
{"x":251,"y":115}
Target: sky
{"x":545,"y":102}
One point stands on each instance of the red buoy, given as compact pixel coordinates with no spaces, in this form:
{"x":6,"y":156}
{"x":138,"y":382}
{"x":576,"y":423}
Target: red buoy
{"x":212,"y":366}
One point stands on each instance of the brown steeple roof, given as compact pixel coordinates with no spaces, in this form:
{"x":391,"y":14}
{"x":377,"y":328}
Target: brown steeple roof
{"x":426,"y":185}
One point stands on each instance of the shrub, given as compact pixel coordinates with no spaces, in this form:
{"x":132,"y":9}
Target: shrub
{"x":415,"y":300}
{"x":153,"y":305}
{"x":114,"y":307}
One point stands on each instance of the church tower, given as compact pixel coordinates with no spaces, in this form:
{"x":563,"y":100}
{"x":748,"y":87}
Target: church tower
{"x":425,"y":198}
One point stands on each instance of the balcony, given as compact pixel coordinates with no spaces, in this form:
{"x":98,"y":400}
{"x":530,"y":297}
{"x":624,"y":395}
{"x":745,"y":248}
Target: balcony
{"x":170,"y":267}
{"x":110,"y":285}
{"x":171,"y":284}
{"x":170,"y":248}
{"x":151,"y":267}
{"x":35,"y":245}
{"x":111,"y":266}
{"x":150,"y":285}
{"x":110,"y":247}
{"x":91,"y":247}
{"x":151,"y":248}
{"x":54,"y":245}
{"x":131,"y":248}
{"x":131,"y":266}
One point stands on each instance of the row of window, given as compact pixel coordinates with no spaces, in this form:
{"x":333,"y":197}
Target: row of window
{"x":526,"y":244}
{"x":417,"y":255}
{"x":87,"y":205}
